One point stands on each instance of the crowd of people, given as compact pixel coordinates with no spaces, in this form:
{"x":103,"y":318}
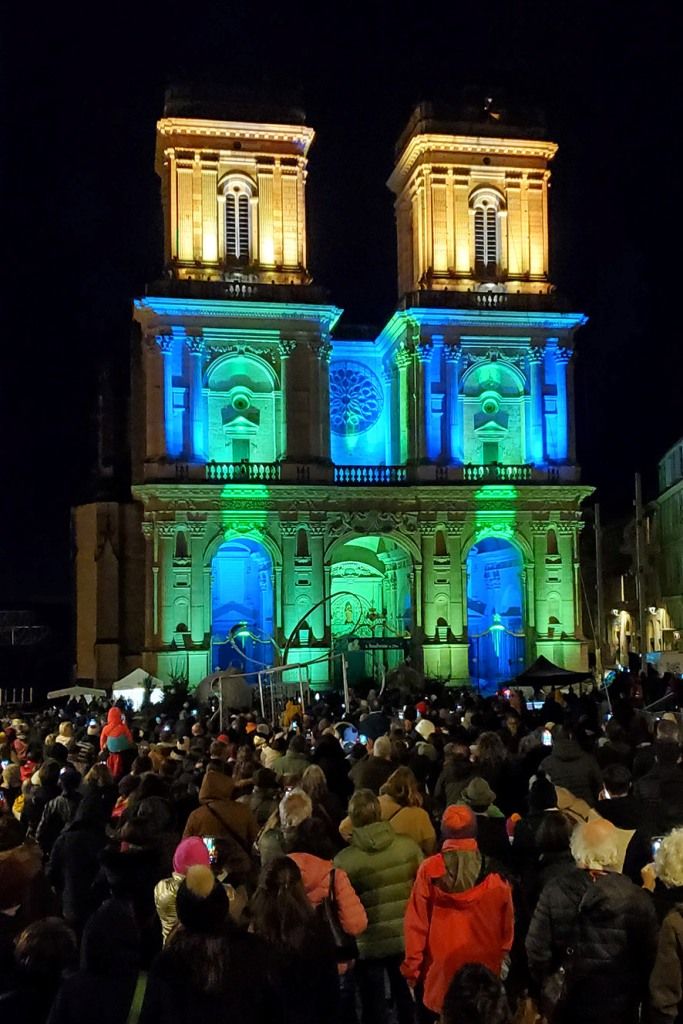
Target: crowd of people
{"x":457,"y":860}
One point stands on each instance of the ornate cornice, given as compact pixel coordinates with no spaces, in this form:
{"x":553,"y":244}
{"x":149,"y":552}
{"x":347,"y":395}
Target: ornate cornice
{"x":493,"y":355}
{"x":230,"y":309}
{"x":300,"y":136}
{"x":240,"y":348}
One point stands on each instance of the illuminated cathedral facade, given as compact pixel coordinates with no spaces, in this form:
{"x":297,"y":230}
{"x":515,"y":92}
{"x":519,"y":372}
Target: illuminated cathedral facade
{"x":414,"y":494}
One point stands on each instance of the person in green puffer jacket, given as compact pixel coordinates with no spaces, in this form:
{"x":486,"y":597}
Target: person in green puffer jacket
{"x":381,"y":866}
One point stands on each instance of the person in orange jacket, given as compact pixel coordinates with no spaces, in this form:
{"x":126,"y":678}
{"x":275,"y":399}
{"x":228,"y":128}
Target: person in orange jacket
{"x":459,"y":912}
{"x":114,"y":730}
{"x":117,"y":740}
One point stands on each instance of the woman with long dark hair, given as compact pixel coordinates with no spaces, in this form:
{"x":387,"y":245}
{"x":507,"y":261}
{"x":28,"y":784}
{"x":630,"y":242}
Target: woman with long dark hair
{"x":300,"y":943}
{"x":210,"y":970}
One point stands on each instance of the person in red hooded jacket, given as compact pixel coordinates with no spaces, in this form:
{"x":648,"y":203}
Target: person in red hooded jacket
{"x":116,"y":738}
{"x":459,"y":912}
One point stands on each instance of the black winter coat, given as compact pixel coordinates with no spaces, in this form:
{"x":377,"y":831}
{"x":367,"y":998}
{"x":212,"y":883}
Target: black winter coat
{"x":661,"y":793}
{"x":572,"y":768}
{"x":250,"y":994}
{"x":57,"y":814}
{"x":612,"y":927}
{"x":103,"y":987}
{"x":371,"y":773}
{"x":74,"y":865}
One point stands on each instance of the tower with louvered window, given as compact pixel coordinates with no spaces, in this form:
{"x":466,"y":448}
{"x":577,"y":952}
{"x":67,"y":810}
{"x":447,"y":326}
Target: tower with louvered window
{"x":234,"y":199}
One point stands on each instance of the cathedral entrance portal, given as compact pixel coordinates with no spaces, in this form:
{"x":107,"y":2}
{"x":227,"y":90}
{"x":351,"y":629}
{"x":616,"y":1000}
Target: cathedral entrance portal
{"x":241,"y":606}
{"x":371,"y":585}
{"x":495,"y":619}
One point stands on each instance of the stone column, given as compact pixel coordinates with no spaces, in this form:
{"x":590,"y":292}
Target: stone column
{"x":562,"y":357}
{"x":167,"y":532}
{"x":405,"y":448}
{"x":317,"y":550}
{"x":453,"y":355}
{"x":427,"y":548}
{"x":206,"y":590}
{"x":536,"y":448}
{"x":198,"y":615}
{"x":277,"y":584}
{"x":165,"y":344}
{"x":388,"y":380}
{"x":196,"y":349}
{"x":530,"y":580}
{"x":457,"y":597}
{"x":418,"y":596}
{"x":286,"y":348}
{"x":323,"y":351}
{"x":151,"y":570}
{"x":423,"y":355}
{"x":327,"y":585}
{"x":575,"y":627}
{"x":288,"y":546}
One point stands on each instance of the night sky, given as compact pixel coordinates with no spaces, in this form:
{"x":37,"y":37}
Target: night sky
{"x":81,"y":223}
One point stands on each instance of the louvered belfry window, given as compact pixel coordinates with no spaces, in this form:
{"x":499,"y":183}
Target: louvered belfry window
{"x":486,"y":236}
{"x":237,"y":225}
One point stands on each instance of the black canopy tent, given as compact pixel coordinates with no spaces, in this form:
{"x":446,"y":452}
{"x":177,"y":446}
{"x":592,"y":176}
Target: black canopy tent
{"x":544,"y":673}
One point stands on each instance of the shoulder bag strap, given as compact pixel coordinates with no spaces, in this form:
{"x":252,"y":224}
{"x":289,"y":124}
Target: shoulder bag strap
{"x":138,"y":999}
{"x":231,"y":832}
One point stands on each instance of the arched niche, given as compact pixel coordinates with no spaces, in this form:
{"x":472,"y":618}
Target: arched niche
{"x":493,"y":413}
{"x":243,"y":423}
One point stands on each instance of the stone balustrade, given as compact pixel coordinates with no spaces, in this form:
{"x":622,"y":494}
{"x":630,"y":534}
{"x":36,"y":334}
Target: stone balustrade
{"x":356,"y":476}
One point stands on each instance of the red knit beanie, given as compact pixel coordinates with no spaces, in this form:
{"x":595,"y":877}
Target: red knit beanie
{"x":458,"y":822}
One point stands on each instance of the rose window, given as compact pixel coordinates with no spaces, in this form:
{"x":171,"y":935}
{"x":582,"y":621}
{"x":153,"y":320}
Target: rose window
{"x":355,"y":398}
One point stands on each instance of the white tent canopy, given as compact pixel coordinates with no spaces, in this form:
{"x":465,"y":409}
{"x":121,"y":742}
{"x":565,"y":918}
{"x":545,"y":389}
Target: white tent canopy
{"x":132,"y":687}
{"x":77,"y":691}
{"x":136,"y":679}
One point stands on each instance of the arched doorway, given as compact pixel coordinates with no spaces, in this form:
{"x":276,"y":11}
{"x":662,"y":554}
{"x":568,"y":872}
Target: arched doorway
{"x":371,"y":608}
{"x":495,"y":612}
{"x":241,"y":602}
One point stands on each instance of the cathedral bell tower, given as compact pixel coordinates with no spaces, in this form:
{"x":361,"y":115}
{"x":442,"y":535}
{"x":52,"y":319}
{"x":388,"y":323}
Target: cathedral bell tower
{"x":233,"y":198}
{"x":471,"y":205}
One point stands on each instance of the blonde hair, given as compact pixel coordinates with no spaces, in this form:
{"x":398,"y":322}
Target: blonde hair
{"x":669,"y":859}
{"x":313,"y":782}
{"x":99,"y":775}
{"x":401,"y":786}
{"x":295,"y":807}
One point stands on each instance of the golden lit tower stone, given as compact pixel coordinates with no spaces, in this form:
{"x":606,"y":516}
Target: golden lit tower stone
{"x":234,"y":199}
{"x":471,"y":208}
